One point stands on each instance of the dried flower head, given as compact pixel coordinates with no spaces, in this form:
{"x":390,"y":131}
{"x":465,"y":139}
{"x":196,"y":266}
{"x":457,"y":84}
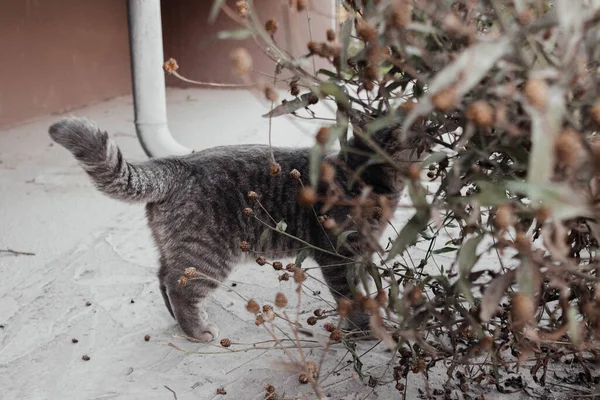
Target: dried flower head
{"x":290,"y":267}
{"x":241,"y":7}
{"x":190,"y":272}
{"x":313,"y":48}
{"x":381,"y":298}
{"x":269,"y":388}
{"x":266,"y":308}
{"x":259,"y":320}
{"x":170,"y":65}
{"x":504,"y":217}
{"x":445,"y":99}
{"x":242,"y":61}
{"x":481,"y":113}
{"x":269,"y":315}
{"x":284,"y":277}
{"x":275,"y":169}
{"x":322,"y":135}
{"x":344,"y":307}
{"x":280,"y":300}
{"x":147,"y":338}
{"x":301,"y":5}
{"x":182,"y":281}
{"x":319,"y":312}
{"x":335,"y":336}
{"x":415,"y":296}
{"x":252,"y":306}
{"x":270,"y":93}
{"x":568,"y":148}
{"x":225,"y":342}
{"x":299,"y":275}
{"x":252,"y":195}
{"x":329,"y":327}
{"x":414,"y":171}
{"x":261,"y":261}
{"x":327,"y":172}
{"x":271,"y":26}
{"x":303,"y":378}
{"x":312,"y":320}
{"x":536,"y":92}
{"x":522,"y":310}
{"x":245,"y":246}
{"x":366,"y":31}
{"x":330,"y":35}
{"x":295,"y":174}
{"x":307,"y":196}
{"x":312,"y":368}
{"x":277,"y":266}
{"x":248,"y":212}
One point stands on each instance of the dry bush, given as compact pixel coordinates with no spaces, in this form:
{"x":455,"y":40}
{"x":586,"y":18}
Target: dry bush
{"x":508,"y":94}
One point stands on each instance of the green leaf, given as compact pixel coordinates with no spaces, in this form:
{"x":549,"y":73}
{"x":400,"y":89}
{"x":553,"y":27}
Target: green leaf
{"x":301,"y":257}
{"x":467,"y":257}
{"x":409,"y":233}
{"x":236,"y":34}
{"x":264,"y":236}
{"x":434,"y":158}
{"x":316,"y":157}
{"x":289,"y":106}
{"x":342,"y":237}
{"x":331,"y":89}
{"x":444,"y":250}
{"x":214,"y":11}
{"x":281,"y":226}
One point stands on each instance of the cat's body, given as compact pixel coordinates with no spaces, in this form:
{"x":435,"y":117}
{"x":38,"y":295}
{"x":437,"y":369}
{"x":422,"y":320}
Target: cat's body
{"x":194,"y":207}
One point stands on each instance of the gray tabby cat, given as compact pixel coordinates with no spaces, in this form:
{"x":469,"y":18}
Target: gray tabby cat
{"x":194,"y":208}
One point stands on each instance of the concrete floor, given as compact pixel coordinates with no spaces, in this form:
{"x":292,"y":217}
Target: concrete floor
{"x":89,"y":248}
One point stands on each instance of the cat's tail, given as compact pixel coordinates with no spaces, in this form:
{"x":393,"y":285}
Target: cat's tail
{"x":151,"y":181}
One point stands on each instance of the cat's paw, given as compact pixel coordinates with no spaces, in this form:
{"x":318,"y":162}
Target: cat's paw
{"x":208,"y":333}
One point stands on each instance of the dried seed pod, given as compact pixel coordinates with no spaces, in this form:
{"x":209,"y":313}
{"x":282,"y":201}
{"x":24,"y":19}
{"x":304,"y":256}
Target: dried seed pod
{"x":327,"y":172}
{"x":242,"y":61}
{"x":291,"y":267}
{"x":244,"y":246}
{"x":311,"y":320}
{"x":366,"y":32}
{"x":225,"y":342}
{"x":261,"y":261}
{"x":504,"y":217}
{"x":372,"y":306}
{"x":522,"y":242}
{"x":381,"y":298}
{"x":330,"y":35}
{"x":182,"y":281}
{"x":259,"y":320}
{"x":415,"y":296}
{"x":335,"y":336}
{"x":344,"y":307}
{"x":248,"y":212}
{"x":85,"y":357}
{"x":147,"y":338}
{"x":322,"y":135}
{"x":170,"y":65}
{"x":266,"y":308}
{"x":275,"y":169}
{"x":295,"y":174}
{"x":481,"y":113}
{"x":252,"y":195}
{"x":319,"y":312}
{"x":329,"y":327}
{"x":312,"y":368}
{"x":271,"y":26}
{"x":277,"y":266}
{"x":522,"y":310}
{"x":568,"y":148}
{"x":536,"y":92}
{"x":252,"y":306}
{"x":271,"y":94}
{"x":299,"y":275}
{"x":190,"y":272}
{"x":313,"y":47}
{"x":301,"y":5}
{"x":307,"y":196}
{"x":414,"y":171}
{"x":445,"y":99}
{"x":280,"y":300}
{"x":303,"y":378}
{"x":284,"y":277}
{"x":242,"y":8}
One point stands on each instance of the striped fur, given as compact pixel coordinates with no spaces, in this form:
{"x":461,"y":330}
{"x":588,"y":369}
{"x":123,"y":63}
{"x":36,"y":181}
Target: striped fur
{"x":194,"y":207}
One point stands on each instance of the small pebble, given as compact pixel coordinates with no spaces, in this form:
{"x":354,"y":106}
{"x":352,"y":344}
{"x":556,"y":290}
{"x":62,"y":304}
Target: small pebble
{"x":87,"y":303}
{"x":147,"y":338}
{"x":85,"y":357}
{"x":234,"y":284}
{"x":132,"y":301}
{"x":74,"y":340}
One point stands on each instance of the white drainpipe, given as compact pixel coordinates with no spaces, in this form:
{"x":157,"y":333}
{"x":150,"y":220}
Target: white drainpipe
{"x":149,"y":98}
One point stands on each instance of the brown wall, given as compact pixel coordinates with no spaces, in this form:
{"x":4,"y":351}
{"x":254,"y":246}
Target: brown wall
{"x":189,"y":38}
{"x":60,"y":55}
